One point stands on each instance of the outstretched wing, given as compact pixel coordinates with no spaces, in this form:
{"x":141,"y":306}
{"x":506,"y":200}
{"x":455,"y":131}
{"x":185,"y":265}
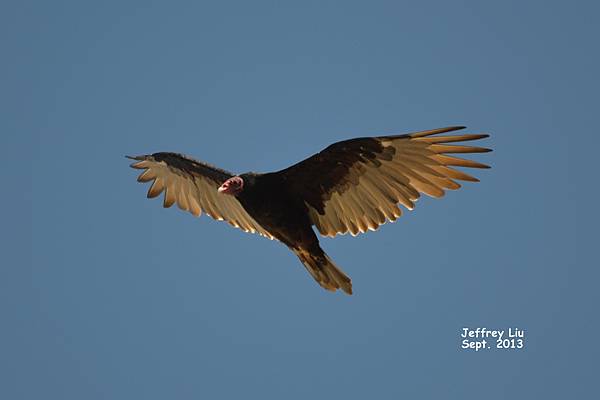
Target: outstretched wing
{"x":356,"y":185}
{"x":193,"y":186}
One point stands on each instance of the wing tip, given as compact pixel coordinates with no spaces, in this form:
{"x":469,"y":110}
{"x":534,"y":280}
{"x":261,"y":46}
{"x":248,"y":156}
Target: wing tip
{"x":139,"y":161}
{"x":138,"y":158}
{"x":434,"y":131}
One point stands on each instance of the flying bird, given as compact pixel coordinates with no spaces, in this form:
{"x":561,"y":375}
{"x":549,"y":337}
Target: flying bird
{"x":352,"y":186}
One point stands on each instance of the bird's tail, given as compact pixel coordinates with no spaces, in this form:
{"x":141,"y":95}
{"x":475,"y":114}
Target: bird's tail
{"x":325,"y":272}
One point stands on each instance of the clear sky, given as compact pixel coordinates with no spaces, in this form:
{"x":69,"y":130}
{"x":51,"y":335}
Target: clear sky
{"x":106,"y":295}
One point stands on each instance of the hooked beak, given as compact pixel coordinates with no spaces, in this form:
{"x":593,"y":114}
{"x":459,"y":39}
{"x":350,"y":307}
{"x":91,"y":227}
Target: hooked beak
{"x":222,"y":188}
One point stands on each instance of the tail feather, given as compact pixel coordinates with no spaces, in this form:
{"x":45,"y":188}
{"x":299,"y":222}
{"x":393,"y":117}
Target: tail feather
{"x":324,"y":271}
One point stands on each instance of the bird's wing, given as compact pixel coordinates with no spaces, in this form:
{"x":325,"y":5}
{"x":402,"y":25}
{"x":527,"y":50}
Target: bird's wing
{"x":193,"y":186}
{"x":356,"y":185}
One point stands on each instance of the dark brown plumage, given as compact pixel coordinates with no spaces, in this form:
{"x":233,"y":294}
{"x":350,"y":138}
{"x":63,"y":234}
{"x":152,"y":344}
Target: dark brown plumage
{"x":350,"y":187}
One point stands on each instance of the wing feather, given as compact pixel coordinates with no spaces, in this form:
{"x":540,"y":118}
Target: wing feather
{"x":458,"y":162}
{"x":156,"y":188}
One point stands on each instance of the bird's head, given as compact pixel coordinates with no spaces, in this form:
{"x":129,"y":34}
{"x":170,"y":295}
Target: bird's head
{"x":232,"y":186}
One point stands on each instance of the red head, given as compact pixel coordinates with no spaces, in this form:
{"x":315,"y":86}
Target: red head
{"x":232,"y":186}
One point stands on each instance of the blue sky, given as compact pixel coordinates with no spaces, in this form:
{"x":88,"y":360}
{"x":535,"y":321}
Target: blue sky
{"x":104,"y":294}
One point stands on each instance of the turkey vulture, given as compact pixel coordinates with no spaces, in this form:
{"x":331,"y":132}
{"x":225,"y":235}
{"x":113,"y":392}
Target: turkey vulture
{"x":351,"y":187}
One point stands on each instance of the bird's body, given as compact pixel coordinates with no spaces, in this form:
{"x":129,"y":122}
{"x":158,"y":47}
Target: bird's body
{"x":269,"y":201}
{"x":351,"y":186}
